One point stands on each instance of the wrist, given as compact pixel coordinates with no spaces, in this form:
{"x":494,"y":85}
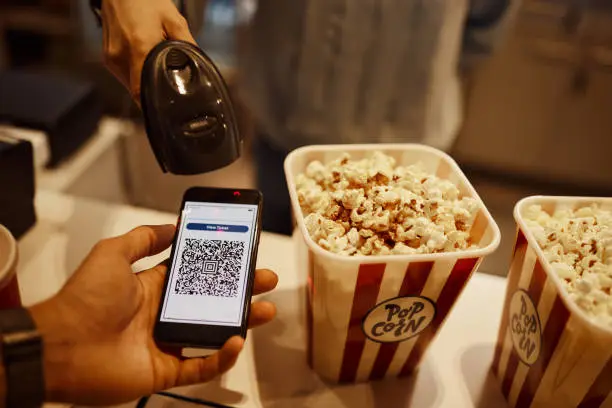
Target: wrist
{"x":58,"y":344}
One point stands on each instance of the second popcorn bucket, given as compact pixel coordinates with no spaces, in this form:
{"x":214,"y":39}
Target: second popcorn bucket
{"x":373,"y":317}
{"x":549,"y":353}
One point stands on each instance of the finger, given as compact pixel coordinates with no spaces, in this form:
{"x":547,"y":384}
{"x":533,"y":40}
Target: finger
{"x":177,"y":28}
{"x":261,"y":313}
{"x":136,"y":63}
{"x":158,"y":272}
{"x":265,"y":281}
{"x":140,"y":45}
{"x":198,"y":370}
{"x":144,"y":241}
{"x":164,"y":265}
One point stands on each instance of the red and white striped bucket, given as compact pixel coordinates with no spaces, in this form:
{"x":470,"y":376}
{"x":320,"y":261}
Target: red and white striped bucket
{"x":372,"y":317}
{"x":549,"y":354}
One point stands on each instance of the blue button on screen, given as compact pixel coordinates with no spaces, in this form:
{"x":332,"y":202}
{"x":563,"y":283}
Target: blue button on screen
{"x":217,"y":227}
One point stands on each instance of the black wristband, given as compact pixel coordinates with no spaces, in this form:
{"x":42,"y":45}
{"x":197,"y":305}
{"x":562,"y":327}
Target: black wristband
{"x":22,"y":353}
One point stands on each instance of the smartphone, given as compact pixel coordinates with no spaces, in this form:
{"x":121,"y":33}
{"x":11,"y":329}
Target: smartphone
{"x":207,"y":292}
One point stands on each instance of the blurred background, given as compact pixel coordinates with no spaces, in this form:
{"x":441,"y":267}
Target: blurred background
{"x":538,"y":113}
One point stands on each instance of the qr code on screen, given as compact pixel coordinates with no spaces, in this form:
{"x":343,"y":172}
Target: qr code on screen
{"x":209,"y":267}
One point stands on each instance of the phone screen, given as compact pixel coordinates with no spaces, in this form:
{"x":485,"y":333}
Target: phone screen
{"x":208,"y":275}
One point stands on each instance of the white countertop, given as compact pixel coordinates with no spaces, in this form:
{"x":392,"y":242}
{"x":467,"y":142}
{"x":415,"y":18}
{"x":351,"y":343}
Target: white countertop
{"x":272,"y":370}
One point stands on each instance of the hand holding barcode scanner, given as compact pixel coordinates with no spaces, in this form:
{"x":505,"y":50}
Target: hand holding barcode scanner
{"x":131,"y":29}
{"x":97,"y":332}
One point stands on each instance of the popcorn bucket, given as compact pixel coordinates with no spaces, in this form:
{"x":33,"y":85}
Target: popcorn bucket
{"x":373,"y":317}
{"x":549,"y":353}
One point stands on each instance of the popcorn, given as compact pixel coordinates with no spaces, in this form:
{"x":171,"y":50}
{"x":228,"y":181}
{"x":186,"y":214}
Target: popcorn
{"x":373,"y":207}
{"x":578,"y":245}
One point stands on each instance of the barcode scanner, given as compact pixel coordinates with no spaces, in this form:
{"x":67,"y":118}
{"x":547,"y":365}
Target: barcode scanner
{"x":188,"y":113}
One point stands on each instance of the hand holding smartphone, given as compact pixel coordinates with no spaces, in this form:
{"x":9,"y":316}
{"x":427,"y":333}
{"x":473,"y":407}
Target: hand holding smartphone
{"x":207,"y":292}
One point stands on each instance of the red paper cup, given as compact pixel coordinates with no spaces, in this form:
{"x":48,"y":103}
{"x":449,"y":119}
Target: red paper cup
{"x":549,"y":353}
{"x":9,"y":287}
{"x":373,"y":317}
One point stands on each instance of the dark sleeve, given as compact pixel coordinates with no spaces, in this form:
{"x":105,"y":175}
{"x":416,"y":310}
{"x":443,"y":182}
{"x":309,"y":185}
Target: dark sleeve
{"x":486,"y":13}
{"x":487,"y":24}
